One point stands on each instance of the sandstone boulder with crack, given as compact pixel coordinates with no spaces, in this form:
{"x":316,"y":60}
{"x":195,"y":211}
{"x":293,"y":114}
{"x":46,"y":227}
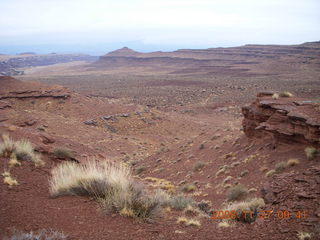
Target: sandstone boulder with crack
{"x":285,"y":119}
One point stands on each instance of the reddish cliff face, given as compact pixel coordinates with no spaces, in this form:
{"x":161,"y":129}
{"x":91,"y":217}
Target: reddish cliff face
{"x":285,"y":119}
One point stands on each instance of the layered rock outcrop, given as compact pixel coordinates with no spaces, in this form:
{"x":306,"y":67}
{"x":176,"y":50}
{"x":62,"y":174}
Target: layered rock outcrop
{"x":286,"y":119}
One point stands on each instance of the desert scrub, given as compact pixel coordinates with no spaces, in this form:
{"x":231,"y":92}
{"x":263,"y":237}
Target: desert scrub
{"x":63,"y":153}
{"x":198,"y":166}
{"x":311,"y":152}
{"x":235,"y":192}
{"x":139,"y":169}
{"x":292,"y":162}
{"x":285,"y":94}
{"x":280,"y":166}
{"x":39,"y":235}
{"x":20,"y":150}
{"x":275,"y":96}
{"x":248,"y":210}
{"x":111,"y":184}
{"x":304,"y":236}
{"x":181,"y":202}
{"x":188,"y":187}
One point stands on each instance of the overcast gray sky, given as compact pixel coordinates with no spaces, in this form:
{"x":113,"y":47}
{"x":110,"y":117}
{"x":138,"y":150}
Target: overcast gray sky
{"x":90,"y":25}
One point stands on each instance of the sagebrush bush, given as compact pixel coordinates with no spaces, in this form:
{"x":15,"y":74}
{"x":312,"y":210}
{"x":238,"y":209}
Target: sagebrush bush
{"x":235,"y":192}
{"x":198,"y":165}
{"x":248,"y":210}
{"x":181,"y":202}
{"x":39,"y":235}
{"x":63,"y":153}
{"x":188,"y":187}
{"x":280,"y":166}
{"x":111,"y":184}
{"x":311,"y":152}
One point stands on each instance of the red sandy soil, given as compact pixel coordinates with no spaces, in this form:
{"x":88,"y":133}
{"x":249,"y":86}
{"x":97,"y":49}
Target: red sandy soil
{"x":167,"y":144}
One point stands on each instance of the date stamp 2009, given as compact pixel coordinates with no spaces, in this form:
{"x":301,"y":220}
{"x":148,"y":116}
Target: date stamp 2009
{"x":264,"y":214}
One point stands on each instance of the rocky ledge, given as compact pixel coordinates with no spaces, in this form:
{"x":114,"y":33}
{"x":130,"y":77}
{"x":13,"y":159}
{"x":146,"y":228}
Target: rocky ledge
{"x":286,"y":119}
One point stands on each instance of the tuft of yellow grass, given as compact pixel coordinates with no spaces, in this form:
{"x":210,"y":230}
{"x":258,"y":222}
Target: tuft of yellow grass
{"x":270,"y":173}
{"x":304,"y":235}
{"x":24,"y":151}
{"x":110,"y":183}
{"x":193,"y":222}
{"x":285,"y":94}
{"x":183,"y":220}
{"x":8,"y":179}
{"x":13,"y":161}
{"x":292,"y":162}
{"x":224,"y":224}
{"x":7,"y":146}
{"x":275,"y":96}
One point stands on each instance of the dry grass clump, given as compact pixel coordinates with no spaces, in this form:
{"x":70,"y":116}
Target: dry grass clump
{"x":13,"y":161}
{"x":285,"y":94}
{"x":224,"y":224}
{"x":7,"y":146}
{"x":188,"y":187}
{"x":311,"y":152}
{"x":63,"y":153}
{"x":304,"y":236}
{"x":109,"y":183}
{"x":280,"y":166}
{"x":248,"y":210}
{"x":40,"y":235}
{"x":161,"y":183}
{"x":270,"y":173}
{"x":275,"y":96}
{"x":198,"y":165}
{"x":292,"y":162}
{"x":139,"y":169}
{"x":188,"y":222}
{"x":21,"y":150}
{"x":235,"y":192}
{"x":8,"y":179}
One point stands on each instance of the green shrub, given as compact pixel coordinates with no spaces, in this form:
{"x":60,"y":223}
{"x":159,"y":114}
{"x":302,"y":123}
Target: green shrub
{"x":311,"y":152}
{"x":198,"y":165}
{"x":181,"y":202}
{"x":188,"y":187}
{"x":280,"y":166}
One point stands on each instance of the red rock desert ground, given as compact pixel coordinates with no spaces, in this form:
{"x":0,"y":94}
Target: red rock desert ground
{"x":223,"y":142}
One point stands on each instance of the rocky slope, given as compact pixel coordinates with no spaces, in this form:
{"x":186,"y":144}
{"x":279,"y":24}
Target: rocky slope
{"x":283,"y":119}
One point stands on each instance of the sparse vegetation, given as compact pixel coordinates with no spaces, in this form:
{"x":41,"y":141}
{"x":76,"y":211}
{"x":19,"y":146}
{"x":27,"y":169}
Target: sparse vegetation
{"x":251,"y":206}
{"x":13,"y":161}
{"x":224,"y":224}
{"x":235,"y":192}
{"x":109,"y":183}
{"x":139,"y":169}
{"x":181,"y":202}
{"x":21,"y":150}
{"x":39,"y":235}
{"x":285,"y":94}
{"x":275,"y":96}
{"x":270,"y":173}
{"x":243,"y":173}
{"x":188,"y":222}
{"x":63,"y":153}
{"x":304,"y":236}
{"x":280,"y":166}
{"x":198,"y":165}
{"x":8,"y":179}
{"x":293,"y":162}
{"x":188,"y":187}
{"x":311,"y":152}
